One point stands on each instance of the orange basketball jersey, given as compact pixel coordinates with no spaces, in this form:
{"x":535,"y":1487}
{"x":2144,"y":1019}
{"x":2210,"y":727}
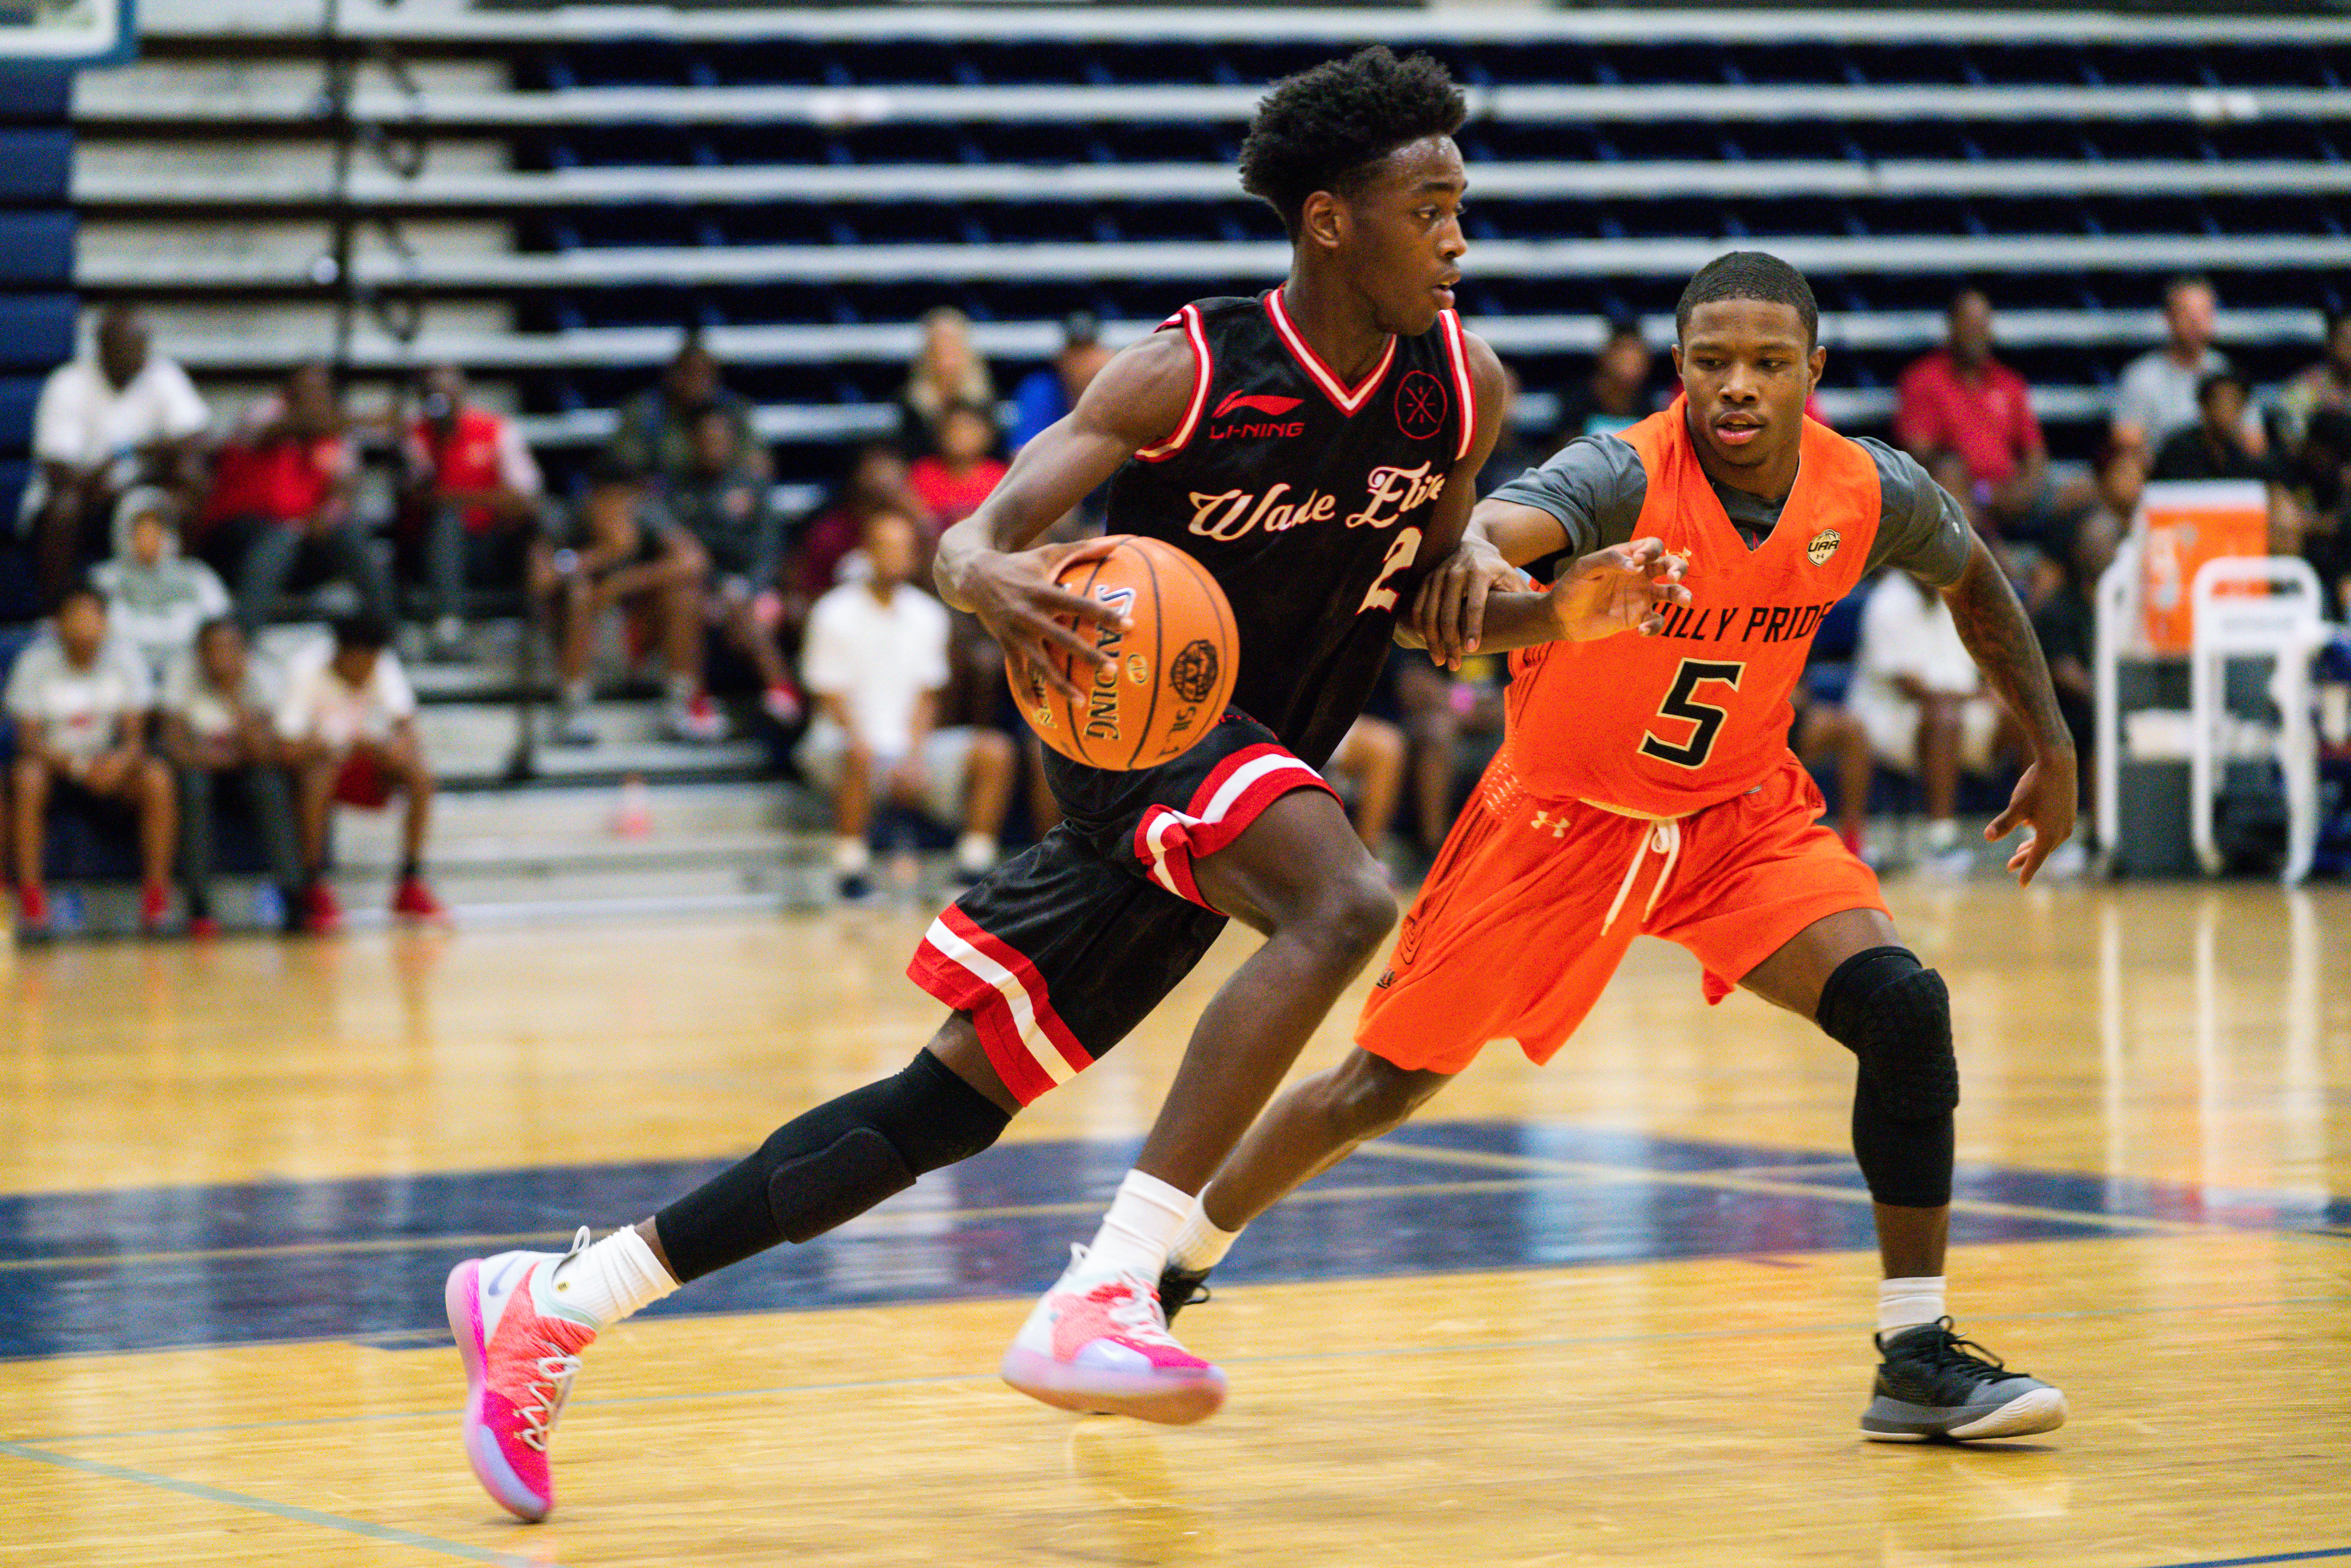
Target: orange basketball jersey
{"x":1669,"y":724}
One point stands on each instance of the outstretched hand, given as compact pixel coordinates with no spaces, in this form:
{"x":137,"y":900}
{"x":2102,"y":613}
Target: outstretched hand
{"x":1015,"y":596}
{"x":1625,"y":588}
{"x":2043,"y":801}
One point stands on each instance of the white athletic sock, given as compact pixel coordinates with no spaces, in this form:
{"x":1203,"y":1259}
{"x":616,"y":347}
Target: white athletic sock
{"x":850,"y":855}
{"x":1199,"y":1245}
{"x":1909,"y":1302}
{"x":1942,"y":834}
{"x":975,"y":852}
{"x":610,"y":1279}
{"x":1142,"y":1219}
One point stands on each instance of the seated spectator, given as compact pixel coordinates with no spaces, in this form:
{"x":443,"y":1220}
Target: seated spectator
{"x":952,"y":482}
{"x":474,"y":491}
{"x":106,"y":424}
{"x":155,"y":597}
{"x":347,"y":722}
{"x":876,"y":484}
{"x":1455,"y":721}
{"x":2122,"y":480}
{"x":874,"y":663}
{"x":219,"y":732}
{"x":2158,"y":397}
{"x":654,"y":437}
{"x":79,"y":700}
{"x":2321,"y":478}
{"x":1619,"y":393}
{"x":2217,"y":447}
{"x":1048,"y":395}
{"x":724,"y":503}
{"x":1368,"y":772}
{"x":1825,"y":732}
{"x":632,"y":558}
{"x":2065,"y":622}
{"x":947,"y":369}
{"x":281,"y":502}
{"x":2323,"y":387}
{"x":1968,"y":420}
{"x":1918,"y":693}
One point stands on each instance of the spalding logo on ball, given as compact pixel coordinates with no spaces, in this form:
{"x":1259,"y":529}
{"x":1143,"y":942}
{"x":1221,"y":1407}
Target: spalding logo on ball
{"x":1170,"y":673}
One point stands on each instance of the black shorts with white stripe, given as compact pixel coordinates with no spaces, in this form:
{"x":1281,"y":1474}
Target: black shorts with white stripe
{"x":1064,"y":949}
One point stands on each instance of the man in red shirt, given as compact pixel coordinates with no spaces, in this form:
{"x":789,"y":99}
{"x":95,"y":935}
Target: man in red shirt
{"x":1968,"y":419}
{"x":475,"y":491}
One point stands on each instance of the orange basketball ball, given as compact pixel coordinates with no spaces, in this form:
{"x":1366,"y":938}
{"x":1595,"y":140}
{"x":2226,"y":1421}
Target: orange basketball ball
{"x":1170,"y":673}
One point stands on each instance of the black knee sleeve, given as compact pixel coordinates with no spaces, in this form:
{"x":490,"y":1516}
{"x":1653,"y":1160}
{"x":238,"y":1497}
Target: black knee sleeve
{"x":827,"y":1167}
{"x":1896,"y":1018}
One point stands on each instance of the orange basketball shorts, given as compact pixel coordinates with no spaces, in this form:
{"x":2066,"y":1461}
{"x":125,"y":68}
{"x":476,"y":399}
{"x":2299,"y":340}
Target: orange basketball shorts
{"x":1532,"y":903}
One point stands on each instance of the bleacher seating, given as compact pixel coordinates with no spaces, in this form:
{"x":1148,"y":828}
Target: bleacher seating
{"x":805,"y":183}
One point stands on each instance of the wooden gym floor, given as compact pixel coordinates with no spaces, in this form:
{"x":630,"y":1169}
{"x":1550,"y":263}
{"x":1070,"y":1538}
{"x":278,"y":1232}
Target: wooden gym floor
{"x":1613,"y":1312}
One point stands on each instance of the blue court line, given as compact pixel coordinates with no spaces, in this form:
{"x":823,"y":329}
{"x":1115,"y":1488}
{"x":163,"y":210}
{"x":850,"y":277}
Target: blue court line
{"x":2255,"y":1561}
{"x":384,"y":1533}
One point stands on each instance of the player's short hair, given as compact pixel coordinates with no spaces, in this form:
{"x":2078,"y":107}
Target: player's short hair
{"x":365,"y":629}
{"x":1323,"y":129}
{"x":1750,"y":275}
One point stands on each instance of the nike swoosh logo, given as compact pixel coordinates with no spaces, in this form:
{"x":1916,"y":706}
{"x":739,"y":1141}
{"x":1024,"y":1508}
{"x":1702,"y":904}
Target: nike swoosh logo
{"x":497,"y":1286}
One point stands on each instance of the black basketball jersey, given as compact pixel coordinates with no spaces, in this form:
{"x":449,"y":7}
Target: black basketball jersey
{"x":1307,"y":499}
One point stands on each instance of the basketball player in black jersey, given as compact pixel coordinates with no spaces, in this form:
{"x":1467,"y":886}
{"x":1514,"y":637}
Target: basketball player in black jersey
{"x":1314,"y":447}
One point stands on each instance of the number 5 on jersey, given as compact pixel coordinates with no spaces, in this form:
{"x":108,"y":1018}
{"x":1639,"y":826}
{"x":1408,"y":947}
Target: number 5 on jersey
{"x":1681,"y":703}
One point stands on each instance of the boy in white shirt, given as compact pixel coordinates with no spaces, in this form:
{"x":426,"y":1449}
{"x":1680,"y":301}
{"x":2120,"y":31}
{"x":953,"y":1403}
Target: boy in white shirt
{"x":80,"y":705}
{"x":349,"y":723}
{"x":873,"y":663}
{"x":156,"y":596}
{"x":1917,"y":694}
{"x":219,"y":730}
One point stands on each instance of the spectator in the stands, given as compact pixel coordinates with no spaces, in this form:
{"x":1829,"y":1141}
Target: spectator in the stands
{"x":1968,"y":420}
{"x":2065,"y":622}
{"x":281,"y":501}
{"x":631,"y":559}
{"x":1046,"y":395}
{"x":474,"y":494}
{"x":79,"y":699}
{"x":1368,"y":770}
{"x":1622,"y":392}
{"x":2323,"y":386}
{"x":876,"y":483}
{"x":1454,"y":719}
{"x":156,"y":597}
{"x":348,"y":721}
{"x":1828,"y":732}
{"x":2215,"y":446}
{"x":722,"y":502}
{"x":947,"y":371}
{"x":952,"y":481}
{"x":2159,"y":393}
{"x":2321,"y":480}
{"x":123,"y":417}
{"x":219,"y":711}
{"x":2122,"y":480}
{"x":874,"y":663}
{"x":1918,"y":693}
{"x":654,"y":437}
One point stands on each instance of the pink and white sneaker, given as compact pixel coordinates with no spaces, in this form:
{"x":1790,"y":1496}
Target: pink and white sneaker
{"x":521,"y":1351}
{"x":1097,"y":1344}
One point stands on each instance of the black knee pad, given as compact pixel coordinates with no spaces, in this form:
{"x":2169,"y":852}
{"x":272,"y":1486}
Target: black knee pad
{"x":1897,"y":1017}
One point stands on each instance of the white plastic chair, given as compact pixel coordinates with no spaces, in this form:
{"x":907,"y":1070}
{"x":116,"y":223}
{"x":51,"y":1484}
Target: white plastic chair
{"x":2117,"y":637}
{"x":2280,"y":620}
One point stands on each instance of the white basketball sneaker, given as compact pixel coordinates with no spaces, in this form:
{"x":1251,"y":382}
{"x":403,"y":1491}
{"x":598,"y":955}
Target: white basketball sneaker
{"x":1097,"y":1344}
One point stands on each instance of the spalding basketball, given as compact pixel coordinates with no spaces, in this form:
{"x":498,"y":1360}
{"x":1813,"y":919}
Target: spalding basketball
{"x":1170,"y":673}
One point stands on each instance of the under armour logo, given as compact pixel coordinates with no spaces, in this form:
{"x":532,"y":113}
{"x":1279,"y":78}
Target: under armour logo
{"x":1544,"y":820}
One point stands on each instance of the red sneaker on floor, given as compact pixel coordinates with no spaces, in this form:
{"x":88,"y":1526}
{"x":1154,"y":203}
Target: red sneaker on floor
{"x":322,"y":915}
{"x":201,"y":926}
{"x":414,"y":901}
{"x":782,"y":703}
{"x":154,"y":909}
{"x":33,"y":908}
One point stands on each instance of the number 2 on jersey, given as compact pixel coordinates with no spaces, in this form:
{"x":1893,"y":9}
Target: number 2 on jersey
{"x":1682,"y":702}
{"x":1403,"y":550}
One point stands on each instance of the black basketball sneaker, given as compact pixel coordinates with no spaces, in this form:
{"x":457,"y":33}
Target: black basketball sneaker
{"x":1933,"y":1385}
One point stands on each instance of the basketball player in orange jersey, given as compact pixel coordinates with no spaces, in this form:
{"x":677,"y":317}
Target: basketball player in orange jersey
{"x":1645,"y":785}
{"x":1312,"y":447}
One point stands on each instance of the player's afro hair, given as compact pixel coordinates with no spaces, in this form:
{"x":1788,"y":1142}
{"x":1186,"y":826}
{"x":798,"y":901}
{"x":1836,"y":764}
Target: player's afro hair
{"x":1322,"y":129}
{"x":1750,"y":275}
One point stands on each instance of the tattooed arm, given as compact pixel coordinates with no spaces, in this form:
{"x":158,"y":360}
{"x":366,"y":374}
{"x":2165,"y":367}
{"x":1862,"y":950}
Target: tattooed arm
{"x":1993,"y":626}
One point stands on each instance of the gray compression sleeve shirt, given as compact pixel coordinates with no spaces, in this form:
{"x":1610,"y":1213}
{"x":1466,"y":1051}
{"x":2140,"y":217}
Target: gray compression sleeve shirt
{"x":1595,"y":486}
